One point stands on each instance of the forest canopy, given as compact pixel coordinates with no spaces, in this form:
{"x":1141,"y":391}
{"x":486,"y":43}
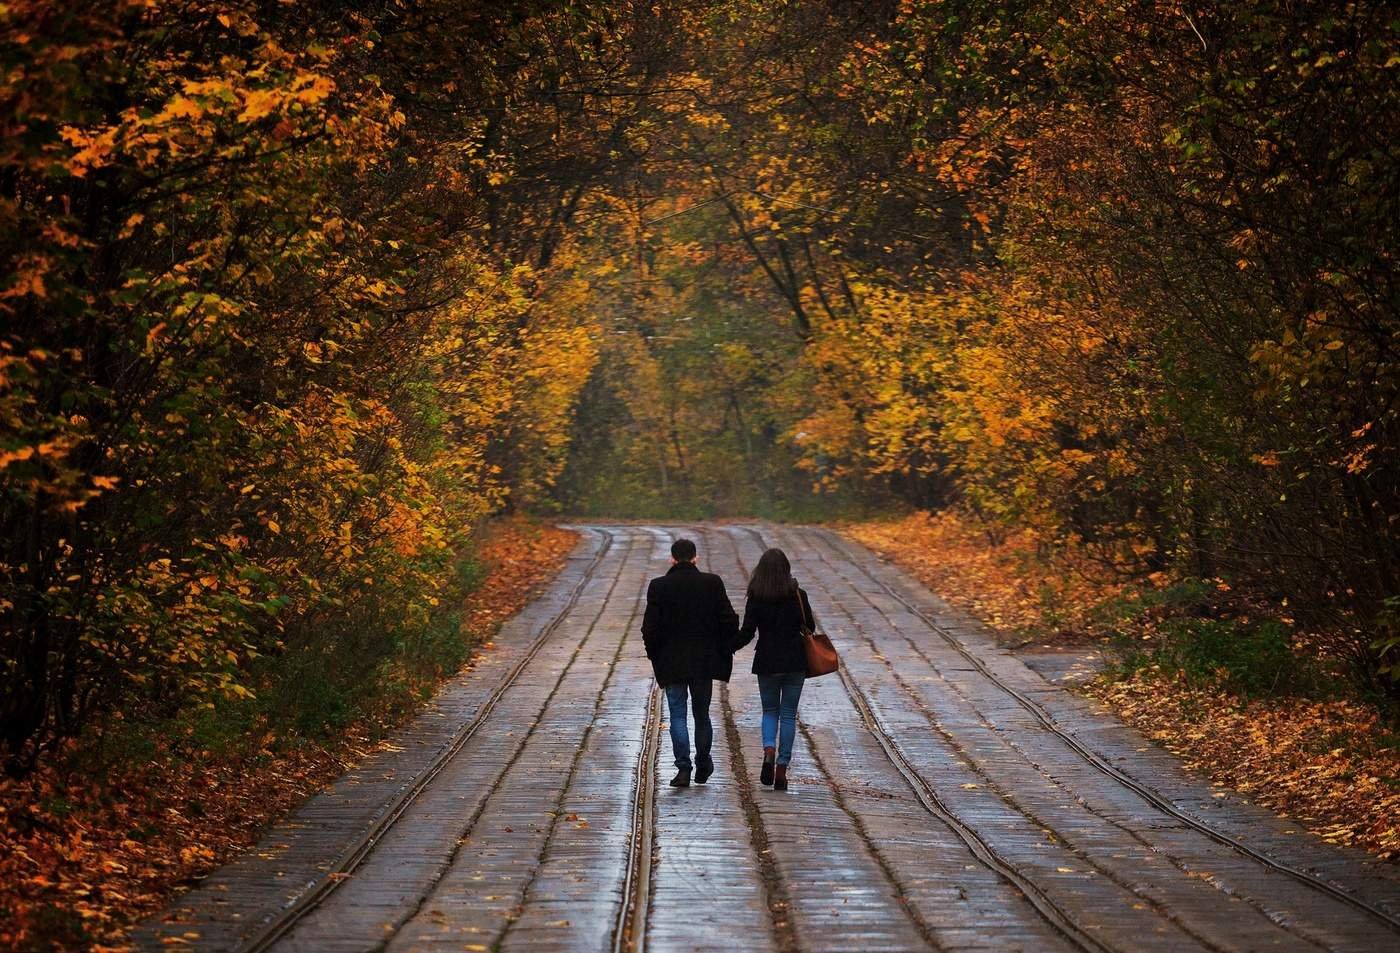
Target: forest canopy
{"x":294,"y":295}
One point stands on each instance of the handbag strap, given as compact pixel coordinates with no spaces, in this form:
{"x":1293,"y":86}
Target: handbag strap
{"x":801,"y":611}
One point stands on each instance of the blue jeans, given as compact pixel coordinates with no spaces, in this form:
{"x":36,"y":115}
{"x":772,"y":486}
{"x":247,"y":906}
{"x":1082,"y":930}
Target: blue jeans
{"x":699,"y":689}
{"x":779,"y":694}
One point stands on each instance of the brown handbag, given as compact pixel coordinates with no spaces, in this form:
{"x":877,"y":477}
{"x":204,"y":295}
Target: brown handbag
{"x":821,"y":654}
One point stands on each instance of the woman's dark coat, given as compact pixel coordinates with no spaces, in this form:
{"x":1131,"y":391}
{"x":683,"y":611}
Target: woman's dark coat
{"x":689,"y":626}
{"x":778,"y":625}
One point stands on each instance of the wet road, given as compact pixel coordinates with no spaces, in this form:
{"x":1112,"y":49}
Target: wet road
{"x":944,"y":797}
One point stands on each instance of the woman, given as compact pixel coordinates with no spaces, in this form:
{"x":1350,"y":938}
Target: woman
{"x":777,"y":609}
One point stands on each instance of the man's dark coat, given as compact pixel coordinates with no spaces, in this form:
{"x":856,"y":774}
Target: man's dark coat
{"x":689,"y":627}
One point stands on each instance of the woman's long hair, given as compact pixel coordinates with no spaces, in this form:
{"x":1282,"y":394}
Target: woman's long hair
{"x":771,"y":579}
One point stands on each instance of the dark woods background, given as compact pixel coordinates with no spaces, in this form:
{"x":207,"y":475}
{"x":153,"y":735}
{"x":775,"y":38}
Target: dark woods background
{"x":295,"y":295}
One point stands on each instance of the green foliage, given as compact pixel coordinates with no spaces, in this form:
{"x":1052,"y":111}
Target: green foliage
{"x":1172,"y":631}
{"x":686,"y":412}
{"x":1387,"y":642}
{"x":1250,"y":659}
{"x":316,"y":689}
{"x":312,"y":692}
{"x":1122,"y":610}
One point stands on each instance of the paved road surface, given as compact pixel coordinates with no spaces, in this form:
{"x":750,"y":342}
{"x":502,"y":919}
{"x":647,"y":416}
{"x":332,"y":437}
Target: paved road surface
{"x":944,"y":797}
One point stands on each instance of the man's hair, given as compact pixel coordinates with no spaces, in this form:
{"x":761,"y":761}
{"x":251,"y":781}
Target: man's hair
{"x":682,"y":550}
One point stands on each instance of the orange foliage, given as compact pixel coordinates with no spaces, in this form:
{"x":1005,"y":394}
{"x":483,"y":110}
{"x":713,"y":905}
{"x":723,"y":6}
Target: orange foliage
{"x":1332,"y":765}
{"x":1015,"y":586}
{"x":519,"y":556}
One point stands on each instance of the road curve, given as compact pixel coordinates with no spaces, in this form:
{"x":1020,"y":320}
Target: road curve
{"x":944,"y":797}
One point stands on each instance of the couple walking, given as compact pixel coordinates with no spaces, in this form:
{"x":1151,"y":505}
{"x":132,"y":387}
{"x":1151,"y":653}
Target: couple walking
{"x":692,"y":632}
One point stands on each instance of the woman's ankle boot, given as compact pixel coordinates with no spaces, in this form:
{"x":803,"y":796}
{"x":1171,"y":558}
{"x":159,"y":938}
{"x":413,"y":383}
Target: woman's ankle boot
{"x":780,"y":778}
{"x":766,"y":774}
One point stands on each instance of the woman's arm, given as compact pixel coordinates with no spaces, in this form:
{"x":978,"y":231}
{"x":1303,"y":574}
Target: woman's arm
{"x":750,"y":625}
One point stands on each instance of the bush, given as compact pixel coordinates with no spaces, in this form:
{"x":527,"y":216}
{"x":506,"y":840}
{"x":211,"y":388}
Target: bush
{"x":1254,"y":660}
{"x":1180,"y":631}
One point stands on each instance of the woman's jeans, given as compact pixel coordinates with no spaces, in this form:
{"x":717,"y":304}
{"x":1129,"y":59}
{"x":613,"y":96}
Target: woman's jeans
{"x":779,"y":694}
{"x":699,"y":691}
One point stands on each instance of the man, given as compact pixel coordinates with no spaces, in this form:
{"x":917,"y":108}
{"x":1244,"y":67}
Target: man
{"x":689,"y":630}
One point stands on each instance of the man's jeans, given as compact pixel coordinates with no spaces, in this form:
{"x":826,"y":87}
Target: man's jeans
{"x":699,"y":690}
{"x":779,"y":694}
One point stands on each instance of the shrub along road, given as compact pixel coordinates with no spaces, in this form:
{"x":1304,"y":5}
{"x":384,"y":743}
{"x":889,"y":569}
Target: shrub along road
{"x":944,"y":797}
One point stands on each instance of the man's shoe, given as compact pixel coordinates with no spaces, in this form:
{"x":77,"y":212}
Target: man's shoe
{"x":780,"y":778}
{"x":766,"y":773}
{"x":703,"y":770}
{"x":682,"y":779}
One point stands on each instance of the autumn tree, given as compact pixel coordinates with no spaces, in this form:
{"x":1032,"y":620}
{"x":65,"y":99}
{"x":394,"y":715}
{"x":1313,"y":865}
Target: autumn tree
{"x":270,"y":309}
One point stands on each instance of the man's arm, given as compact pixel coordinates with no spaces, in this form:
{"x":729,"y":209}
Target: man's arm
{"x":651,"y":622}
